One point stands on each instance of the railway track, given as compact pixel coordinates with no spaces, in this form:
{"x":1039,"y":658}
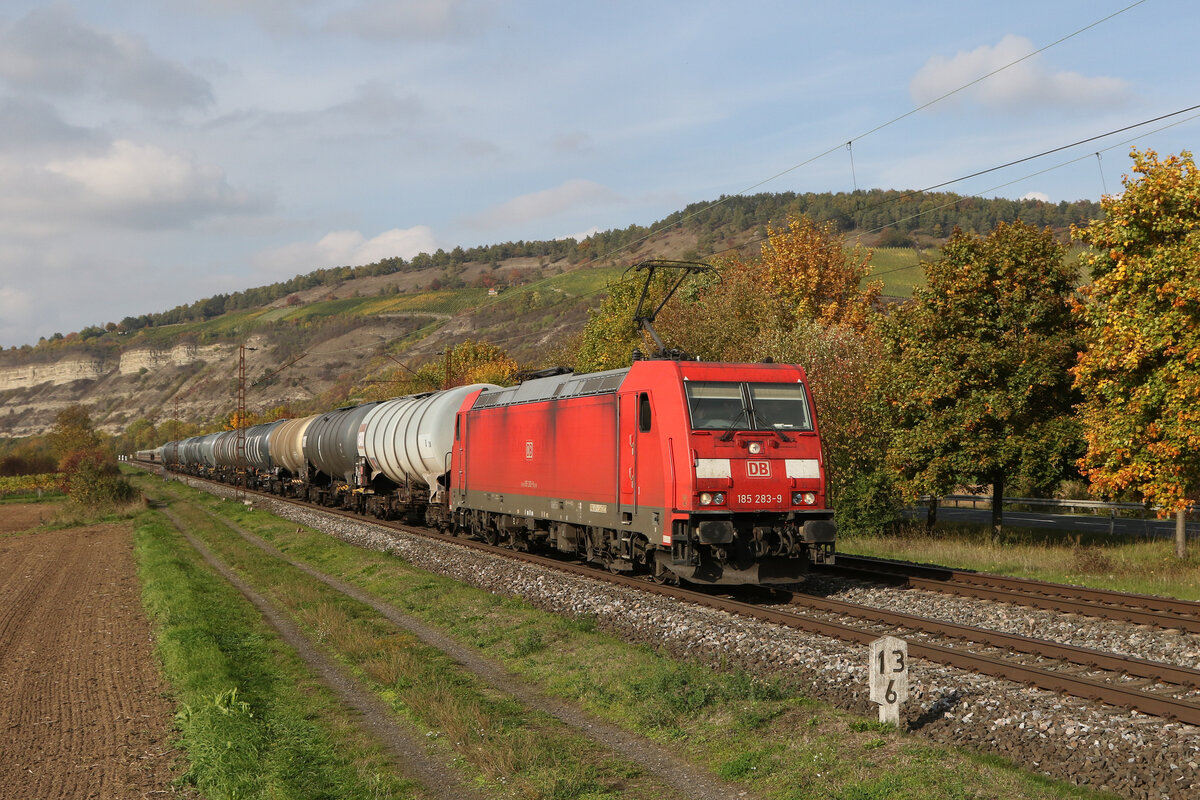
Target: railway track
{"x":1149,"y":687}
{"x":1158,"y":612}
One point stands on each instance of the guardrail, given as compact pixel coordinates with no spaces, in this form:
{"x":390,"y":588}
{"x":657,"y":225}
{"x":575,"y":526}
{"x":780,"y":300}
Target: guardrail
{"x":975,"y":499}
{"x":1099,"y":508}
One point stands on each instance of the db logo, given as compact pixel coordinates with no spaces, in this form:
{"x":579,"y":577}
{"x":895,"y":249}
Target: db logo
{"x":758,"y":469}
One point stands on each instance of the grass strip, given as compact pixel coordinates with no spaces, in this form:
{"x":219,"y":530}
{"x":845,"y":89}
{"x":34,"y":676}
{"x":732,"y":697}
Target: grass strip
{"x":1123,"y":563}
{"x":253,"y":721}
{"x":765,"y":734}
{"x":508,"y":749}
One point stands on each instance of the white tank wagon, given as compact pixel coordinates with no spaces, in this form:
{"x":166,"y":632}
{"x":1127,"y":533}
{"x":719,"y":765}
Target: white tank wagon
{"x":409,"y":439}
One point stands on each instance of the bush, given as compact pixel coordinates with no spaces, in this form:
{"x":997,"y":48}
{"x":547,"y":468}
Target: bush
{"x":91,"y":479}
{"x":868,"y":504}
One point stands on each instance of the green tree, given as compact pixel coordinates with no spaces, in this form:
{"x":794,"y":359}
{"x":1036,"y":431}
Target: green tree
{"x":1140,"y":371}
{"x":978,"y":368}
{"x":610,"y":336}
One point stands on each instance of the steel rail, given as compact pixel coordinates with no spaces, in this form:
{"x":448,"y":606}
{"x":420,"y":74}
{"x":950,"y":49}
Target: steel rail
{"x":1082,"y":656}
{"x":1140,"y":609}
{"x":1079,"y":686}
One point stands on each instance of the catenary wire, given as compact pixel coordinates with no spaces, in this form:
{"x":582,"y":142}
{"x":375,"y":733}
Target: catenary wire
{"x":877,"y":128}
{"x":916,"y":192}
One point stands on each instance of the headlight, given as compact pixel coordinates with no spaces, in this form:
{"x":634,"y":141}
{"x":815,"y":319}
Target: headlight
{"x":755,"y":448}
{"x":719,"y":499}
{"x":706,"y":499}
{"x":803,"y":498}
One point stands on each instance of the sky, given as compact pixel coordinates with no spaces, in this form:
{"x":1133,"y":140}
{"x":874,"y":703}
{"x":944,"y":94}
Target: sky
{"x":153,"y":154}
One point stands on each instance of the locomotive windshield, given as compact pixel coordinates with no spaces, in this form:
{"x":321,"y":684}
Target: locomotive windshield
{"x":716,"y":405}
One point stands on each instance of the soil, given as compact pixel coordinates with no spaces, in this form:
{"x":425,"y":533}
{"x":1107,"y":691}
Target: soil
{"x":22,"y":517}
{"x":84,"y":712}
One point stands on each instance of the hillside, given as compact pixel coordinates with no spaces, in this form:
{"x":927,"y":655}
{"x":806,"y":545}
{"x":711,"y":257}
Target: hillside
{"x":308,"y":339}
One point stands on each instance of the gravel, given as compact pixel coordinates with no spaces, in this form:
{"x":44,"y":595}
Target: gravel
{"x":1068,"y":738}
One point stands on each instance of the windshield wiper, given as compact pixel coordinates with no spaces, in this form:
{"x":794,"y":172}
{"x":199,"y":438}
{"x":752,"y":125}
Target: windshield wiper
{"x":769,"y":426}
{"x":728,"y":434}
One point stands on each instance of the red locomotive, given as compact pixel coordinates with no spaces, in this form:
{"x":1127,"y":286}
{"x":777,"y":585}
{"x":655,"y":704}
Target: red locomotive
{"x":709,"y":472}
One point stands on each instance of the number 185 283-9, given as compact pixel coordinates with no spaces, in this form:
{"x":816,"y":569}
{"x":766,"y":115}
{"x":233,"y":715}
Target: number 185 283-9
{"x":759,"y":499}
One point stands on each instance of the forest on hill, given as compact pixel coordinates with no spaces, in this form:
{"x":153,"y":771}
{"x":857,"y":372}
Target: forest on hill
{"x":341,"y":334}
{"x":881,"y":218}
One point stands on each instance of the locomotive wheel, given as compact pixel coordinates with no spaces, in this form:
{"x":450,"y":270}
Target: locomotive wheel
{"x":639,"y":548}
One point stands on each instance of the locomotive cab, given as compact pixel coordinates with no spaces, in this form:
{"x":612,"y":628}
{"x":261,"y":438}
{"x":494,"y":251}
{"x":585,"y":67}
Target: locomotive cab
{"x":734,"y":462}
{"x":757,"y":510}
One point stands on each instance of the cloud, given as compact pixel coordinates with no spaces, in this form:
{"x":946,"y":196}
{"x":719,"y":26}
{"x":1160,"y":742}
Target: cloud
{"x":371,"y":107}
{"x":412,"y":20}
{"x":16,"y":311}
{"x":30,"y":126}
{"x":378,"y":103}
{"x":547,"y":203}
{"x":347,"y":248}
{"x":1045,"y":198}
{"x":49,"y":52}
{"x":1029,"y":85}
{"x":142,"y":186}
{"x":571,"y":143}
{"x":579,"y":237}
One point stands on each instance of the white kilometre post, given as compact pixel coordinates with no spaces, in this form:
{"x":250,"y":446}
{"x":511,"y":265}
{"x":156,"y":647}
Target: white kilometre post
{"x":889,"y":677}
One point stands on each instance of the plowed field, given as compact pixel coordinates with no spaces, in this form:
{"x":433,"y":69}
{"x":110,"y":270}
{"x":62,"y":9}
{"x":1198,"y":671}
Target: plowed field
{"x":82,"y":707}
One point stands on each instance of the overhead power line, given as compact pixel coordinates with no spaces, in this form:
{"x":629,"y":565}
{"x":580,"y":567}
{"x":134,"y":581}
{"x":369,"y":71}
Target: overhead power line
{"x":1042,"y":154}
{"x":878,"y":128}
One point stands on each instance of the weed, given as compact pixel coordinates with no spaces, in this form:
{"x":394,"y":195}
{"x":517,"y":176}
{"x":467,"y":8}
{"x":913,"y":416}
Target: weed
{"x":528,"y":643}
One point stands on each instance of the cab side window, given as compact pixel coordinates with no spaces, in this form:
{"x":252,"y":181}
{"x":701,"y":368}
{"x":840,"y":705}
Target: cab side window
{"x":644,"y":416}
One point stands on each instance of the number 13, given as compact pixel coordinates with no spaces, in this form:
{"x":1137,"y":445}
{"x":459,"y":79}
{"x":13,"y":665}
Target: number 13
{"x":899,"y":654}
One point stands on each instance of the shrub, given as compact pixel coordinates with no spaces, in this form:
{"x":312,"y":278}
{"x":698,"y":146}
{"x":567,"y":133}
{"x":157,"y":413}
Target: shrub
{"x":91,"y":479}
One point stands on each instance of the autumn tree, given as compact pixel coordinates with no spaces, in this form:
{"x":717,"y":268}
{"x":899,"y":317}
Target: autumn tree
{"x":803,"y":274}
{"x":89,"y":472}
{"x":91,"y":479}
{"x":465,"y":363}
{"x":1140,"y":371}
{"x":978,"y":378}
{"x":72,"y":431}
{"x":808,"y":271}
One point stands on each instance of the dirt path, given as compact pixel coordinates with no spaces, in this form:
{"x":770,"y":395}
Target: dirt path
{"x":82,"y":707}
{"x":689,"y":780}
